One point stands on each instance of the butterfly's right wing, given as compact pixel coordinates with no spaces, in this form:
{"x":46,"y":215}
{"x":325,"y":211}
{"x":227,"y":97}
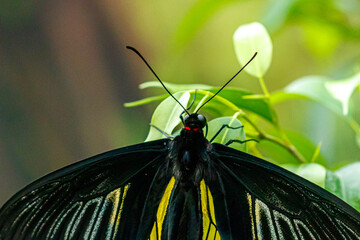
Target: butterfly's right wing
{"x":254,"y":199}
{"x":114,"y":195}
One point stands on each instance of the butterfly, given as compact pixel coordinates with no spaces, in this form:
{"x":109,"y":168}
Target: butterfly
{"x":181,"y":188}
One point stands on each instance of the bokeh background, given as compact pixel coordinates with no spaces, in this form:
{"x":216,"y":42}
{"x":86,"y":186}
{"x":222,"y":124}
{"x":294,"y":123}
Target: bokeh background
{"x":65,"y":73}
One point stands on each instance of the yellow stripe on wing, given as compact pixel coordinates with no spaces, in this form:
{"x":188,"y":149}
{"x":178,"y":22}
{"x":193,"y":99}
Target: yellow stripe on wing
{"x":207,"y":206}
{"x":250,"y":202}
{"x":161,"y":213}
{"x":117,"y":221}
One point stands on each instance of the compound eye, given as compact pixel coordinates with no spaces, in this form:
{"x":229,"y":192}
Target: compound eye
{"x":202,"y":119}
{"x":186,"y":117}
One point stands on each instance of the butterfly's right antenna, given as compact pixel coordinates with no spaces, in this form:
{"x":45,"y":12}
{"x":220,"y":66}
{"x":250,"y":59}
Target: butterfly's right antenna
{"x":227,"y":82}
{"x":142,"y":58}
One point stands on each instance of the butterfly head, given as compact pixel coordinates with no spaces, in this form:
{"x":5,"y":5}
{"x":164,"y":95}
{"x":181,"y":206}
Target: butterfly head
{"x":194,"y":122}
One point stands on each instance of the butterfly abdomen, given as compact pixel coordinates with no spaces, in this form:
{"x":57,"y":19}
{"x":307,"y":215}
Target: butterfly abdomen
{"x":183,"y":219}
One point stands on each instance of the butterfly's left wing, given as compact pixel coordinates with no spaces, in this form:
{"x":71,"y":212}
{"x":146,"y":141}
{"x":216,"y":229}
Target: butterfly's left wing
{"x":254,"y":199}
{"x":114,"y":195}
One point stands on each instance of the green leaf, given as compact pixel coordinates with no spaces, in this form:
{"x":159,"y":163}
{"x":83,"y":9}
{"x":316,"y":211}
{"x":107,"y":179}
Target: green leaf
{"x":172,"y":87}
{"x":334,"y":184}
{"x":349,"y":176}
{"x":282,"y":96}
{"x":342,"y":90}
{"x":313,"y":172}
{"x":333,"y":94}
{"x":145,"y":100}
{"x":227,"y":134}
{"x":243,"y":100}
{"x":166,"y":115}
{"x":316,"y":153}
{"x":344,"y":183}
{"x":251,"y":38}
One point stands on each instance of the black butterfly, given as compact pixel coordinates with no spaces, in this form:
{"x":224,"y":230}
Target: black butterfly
{"x":185,"y":188}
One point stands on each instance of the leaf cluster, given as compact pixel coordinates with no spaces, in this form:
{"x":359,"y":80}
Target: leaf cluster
{"x":238,"y":107}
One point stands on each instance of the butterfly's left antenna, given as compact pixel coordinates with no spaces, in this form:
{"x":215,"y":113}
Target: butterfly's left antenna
{"x":142,"y":58}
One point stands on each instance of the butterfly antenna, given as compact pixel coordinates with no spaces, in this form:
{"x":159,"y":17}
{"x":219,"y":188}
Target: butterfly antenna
{"x":148,"y":65}
{"x":227,"y":82}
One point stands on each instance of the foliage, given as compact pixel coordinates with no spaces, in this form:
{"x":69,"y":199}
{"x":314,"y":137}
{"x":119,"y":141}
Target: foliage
{"x":239,"y":107}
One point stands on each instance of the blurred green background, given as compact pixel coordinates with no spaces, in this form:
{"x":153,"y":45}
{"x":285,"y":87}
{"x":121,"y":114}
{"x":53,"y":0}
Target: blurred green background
{"x":65,"y":73}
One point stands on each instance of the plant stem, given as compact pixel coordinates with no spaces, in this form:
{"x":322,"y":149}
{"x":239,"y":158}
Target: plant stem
{"x":284,"y":143}
{"x":263,"y":86}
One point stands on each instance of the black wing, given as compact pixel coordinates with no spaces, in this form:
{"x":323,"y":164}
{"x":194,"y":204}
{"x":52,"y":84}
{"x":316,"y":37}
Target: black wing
{"x":254,"y":199}
{"x":114,"y":195}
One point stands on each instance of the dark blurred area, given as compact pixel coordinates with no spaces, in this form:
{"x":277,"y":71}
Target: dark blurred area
{"x":65,"y":72}
{"x":64,"y":77}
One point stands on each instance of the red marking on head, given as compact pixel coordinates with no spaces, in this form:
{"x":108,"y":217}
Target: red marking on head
{"x":196,"y":129}
{"x":188,"y":128}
